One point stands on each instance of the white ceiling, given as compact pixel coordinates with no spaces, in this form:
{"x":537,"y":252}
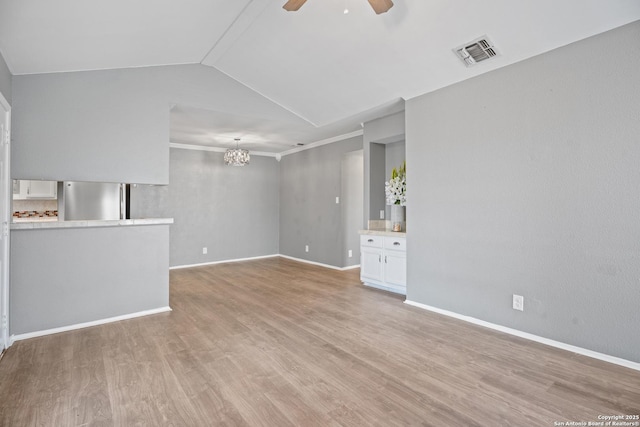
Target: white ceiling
{"x":329,"y":69}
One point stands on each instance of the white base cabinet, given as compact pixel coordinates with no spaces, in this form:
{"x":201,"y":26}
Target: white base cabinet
{"x":383,"y":262}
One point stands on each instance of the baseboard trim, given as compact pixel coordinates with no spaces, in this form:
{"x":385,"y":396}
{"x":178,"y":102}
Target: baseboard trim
{"x":557,"y":344}
{"x":333,"y":267}
{"x":177,"y":267}
{"x":28,"y":335}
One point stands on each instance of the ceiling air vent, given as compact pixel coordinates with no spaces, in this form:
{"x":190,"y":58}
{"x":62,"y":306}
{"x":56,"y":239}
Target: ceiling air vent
{"x":476,"y":51}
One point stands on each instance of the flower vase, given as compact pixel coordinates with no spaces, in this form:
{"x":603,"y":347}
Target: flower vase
{"x":397,"y":217}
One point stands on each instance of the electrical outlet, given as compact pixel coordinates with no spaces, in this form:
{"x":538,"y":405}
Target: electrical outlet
{"x":382,"y":214}
{"x":306,"y":248}
{"x":350,"y":253}
{"x":518,"y":302}
{"x":204,"y":251}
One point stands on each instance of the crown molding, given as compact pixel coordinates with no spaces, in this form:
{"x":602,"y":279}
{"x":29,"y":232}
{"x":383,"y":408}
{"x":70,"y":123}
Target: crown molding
{"x":323,"y":142}
{"x":217,"y":149}
{"x":277,"y":156}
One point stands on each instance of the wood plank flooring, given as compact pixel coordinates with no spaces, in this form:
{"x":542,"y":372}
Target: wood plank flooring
{"x":274,"y":342}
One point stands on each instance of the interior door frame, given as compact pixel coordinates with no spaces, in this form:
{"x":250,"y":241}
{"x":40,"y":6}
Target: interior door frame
{"x":5,"y":219}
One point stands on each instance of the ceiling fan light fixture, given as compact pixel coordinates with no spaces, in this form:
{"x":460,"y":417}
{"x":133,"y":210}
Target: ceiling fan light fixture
{"x":293,"y":5}
{"x":379,"y":6}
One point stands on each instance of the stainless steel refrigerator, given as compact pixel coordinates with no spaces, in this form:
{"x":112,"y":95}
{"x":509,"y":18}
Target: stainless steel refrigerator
{"x":93,"y":201}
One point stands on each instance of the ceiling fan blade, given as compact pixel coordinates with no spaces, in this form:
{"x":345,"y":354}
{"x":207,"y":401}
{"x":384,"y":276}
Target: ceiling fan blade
{"x":381,"y":6}
{"x":293,"y":5}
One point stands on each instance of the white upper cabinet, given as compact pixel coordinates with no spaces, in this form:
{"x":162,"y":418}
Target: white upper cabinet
{"x":33,"y":189}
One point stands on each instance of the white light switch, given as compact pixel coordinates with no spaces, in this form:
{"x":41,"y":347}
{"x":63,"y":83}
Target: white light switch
{"x":337,"y":200}
{"x":382,"y":214}
{"x":204,"y":251}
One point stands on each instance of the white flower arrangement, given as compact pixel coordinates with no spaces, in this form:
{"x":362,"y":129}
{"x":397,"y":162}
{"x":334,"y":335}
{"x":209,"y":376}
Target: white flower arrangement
{"x":396,"y":187}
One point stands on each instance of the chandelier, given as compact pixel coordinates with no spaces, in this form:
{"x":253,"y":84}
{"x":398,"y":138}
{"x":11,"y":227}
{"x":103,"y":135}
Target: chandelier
{"x":236,"y":156}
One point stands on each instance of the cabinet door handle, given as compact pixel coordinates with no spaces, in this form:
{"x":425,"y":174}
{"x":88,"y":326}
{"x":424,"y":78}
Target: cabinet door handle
{"x":370,"y":240}
{"x":396,"y":243}
{"x":379,"y":258}
{"x":385,"y":259}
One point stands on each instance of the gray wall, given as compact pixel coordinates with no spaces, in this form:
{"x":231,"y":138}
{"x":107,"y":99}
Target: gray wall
{"x":394,"y":156}
{"x":232,"y":211}
{"x":375,"y":177}
{"x":62,"y":277}
{"x":352,"y":200}
{"x":113,"y":125}
{"x":5,"y":80}
{"x":310,"y":181}
{"x":385,"y":130}
{"x":525,"y":180}
{"x":110,"y":126}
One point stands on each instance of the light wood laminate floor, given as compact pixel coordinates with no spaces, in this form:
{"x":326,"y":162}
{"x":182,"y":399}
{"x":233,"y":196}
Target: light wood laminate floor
{"x":279,"y":343}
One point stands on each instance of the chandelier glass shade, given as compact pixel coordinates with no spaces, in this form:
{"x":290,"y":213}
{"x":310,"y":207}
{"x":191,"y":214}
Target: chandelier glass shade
{"x":236,"y":156}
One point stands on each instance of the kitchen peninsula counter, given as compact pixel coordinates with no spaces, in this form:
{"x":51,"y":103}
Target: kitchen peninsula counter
{"x":39,"y":225}
{"x":73,"y":273}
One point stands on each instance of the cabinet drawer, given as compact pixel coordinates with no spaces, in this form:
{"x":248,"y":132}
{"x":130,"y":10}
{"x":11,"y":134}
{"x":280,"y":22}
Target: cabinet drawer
{"x":395,"y":243}
{"x":371,"y":241}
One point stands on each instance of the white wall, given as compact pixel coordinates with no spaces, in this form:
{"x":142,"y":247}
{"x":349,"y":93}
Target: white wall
{"x":526,"y":180}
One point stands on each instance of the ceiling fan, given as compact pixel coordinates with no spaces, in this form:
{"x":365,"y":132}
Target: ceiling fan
{"x":379,"y":6}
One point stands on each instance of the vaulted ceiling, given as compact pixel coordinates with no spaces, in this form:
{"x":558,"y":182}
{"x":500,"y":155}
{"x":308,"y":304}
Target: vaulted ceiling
{"x":329,"y":69}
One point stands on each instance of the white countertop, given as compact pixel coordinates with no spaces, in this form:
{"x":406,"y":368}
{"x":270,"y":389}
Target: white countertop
{"x":35,"y":219}
{"x":39,"y":225}
{"x":382,"y":232}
